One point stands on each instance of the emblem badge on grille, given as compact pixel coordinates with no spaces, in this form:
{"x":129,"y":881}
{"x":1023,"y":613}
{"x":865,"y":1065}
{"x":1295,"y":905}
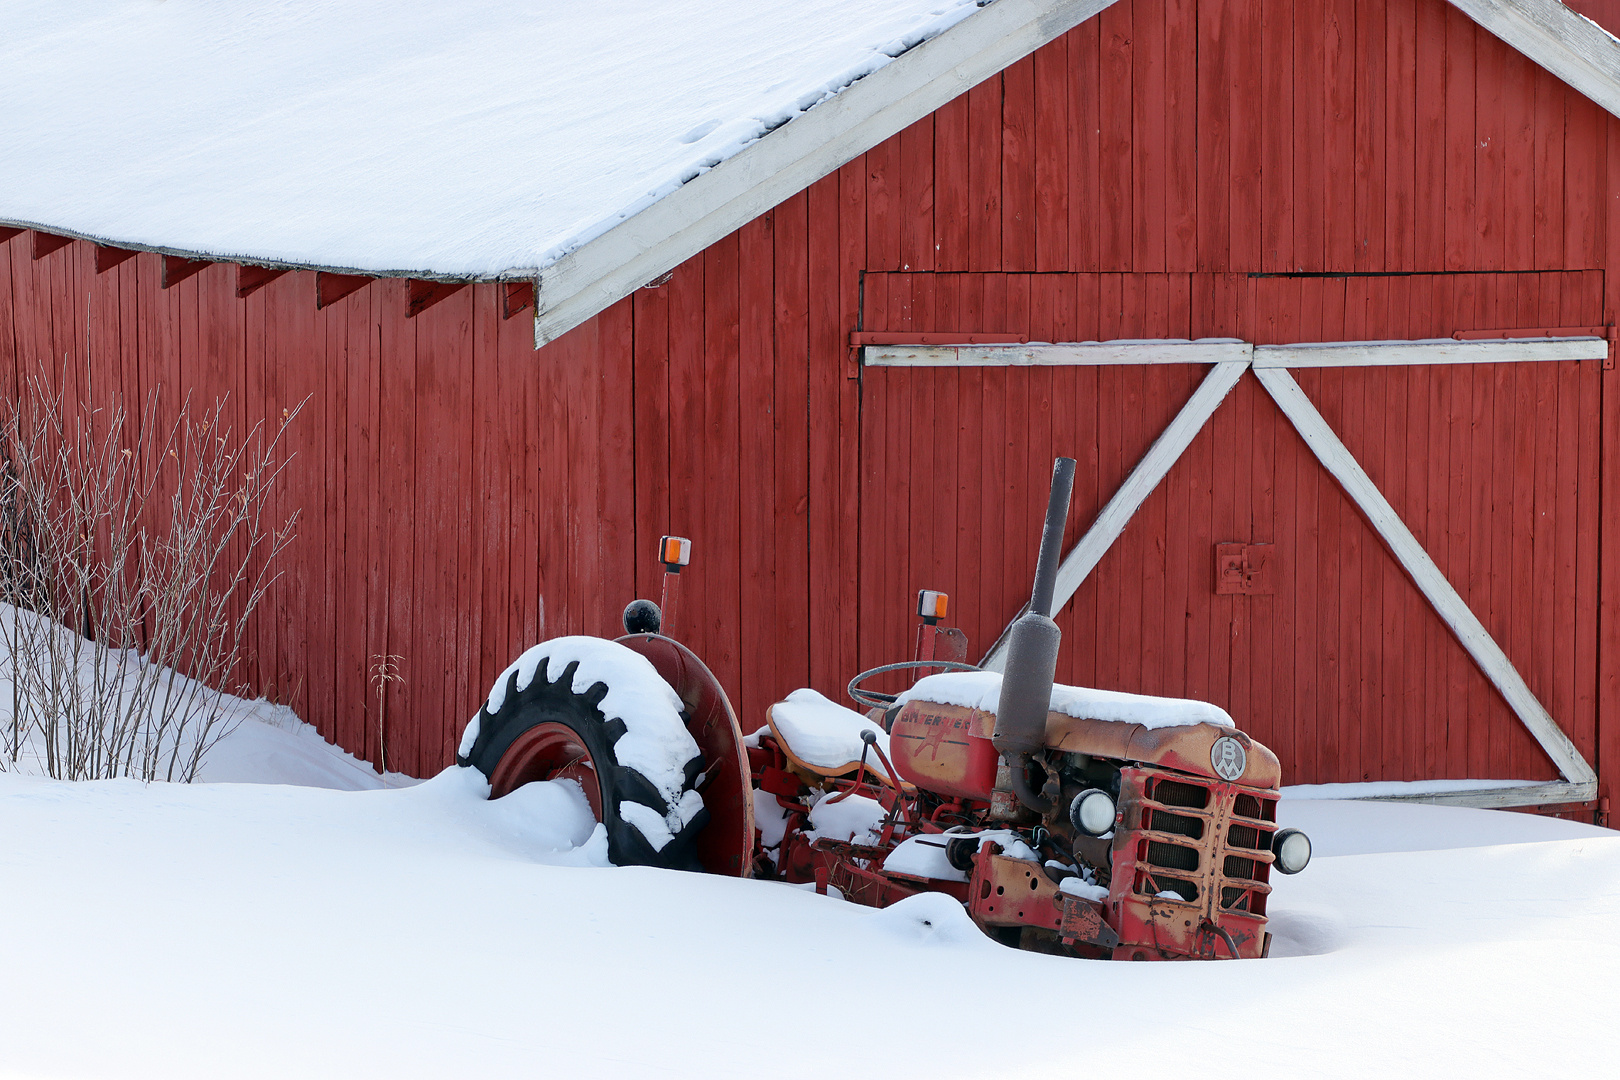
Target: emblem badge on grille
{"x":1228,"y":757}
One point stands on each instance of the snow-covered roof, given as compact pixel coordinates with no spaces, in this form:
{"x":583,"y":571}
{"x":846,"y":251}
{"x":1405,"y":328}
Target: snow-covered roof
{"x":602,"y":143}
{"x":469,"y":139}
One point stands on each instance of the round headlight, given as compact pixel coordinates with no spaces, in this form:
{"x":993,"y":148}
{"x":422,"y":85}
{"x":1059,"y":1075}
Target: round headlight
{"x":1092,"y":812}
{"x":1292,"y":849}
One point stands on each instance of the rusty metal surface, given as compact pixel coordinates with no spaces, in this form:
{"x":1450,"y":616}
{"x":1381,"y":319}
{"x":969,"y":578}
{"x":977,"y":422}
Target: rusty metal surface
{"x":1003,"y":891}
{"x":945,"y":749}
{"x":1212,"y":850}
{"x":726,"y":844}
{"x":1185,"y":747}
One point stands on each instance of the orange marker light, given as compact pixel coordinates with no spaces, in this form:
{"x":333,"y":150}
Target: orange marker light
{"x":931,"y":605}
{"x":674,"y":552}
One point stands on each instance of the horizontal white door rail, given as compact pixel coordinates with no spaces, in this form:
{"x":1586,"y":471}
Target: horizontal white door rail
{"x":1225,"y":350}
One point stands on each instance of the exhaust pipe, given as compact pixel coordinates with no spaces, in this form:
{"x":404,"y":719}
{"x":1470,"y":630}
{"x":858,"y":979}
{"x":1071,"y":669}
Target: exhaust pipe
{"x":1032,"y":648}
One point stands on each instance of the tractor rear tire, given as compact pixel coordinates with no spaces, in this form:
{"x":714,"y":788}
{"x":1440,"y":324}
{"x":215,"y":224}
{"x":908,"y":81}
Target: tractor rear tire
{"x":547,"y":731}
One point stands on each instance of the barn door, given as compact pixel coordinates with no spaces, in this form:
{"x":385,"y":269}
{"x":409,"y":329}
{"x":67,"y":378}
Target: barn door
{"x":1380,"y":560}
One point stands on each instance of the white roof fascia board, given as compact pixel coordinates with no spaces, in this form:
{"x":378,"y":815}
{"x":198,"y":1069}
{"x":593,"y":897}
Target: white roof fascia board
{"x":1077,"y":354}
{"x":1567,"y":44}
{"x":794,"y":156}
{"x":1442,"y":351}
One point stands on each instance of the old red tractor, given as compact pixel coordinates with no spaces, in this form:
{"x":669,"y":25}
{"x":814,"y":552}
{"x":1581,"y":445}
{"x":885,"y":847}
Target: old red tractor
{"x":1066,"y":820}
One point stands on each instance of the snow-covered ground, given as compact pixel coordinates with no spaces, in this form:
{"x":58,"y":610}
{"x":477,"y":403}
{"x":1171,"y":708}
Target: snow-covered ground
{"x":233,"y":929}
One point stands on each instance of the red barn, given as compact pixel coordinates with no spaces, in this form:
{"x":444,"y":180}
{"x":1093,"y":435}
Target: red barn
{"x":1316,"y":292}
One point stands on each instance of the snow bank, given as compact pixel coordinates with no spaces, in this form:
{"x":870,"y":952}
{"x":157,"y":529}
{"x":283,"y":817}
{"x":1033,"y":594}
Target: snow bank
{"x":430,"y":933}
{"x":982,"y":690}
{"x":259,"y":742}
{"x":824,"y":733}
{"x":474,"y":138}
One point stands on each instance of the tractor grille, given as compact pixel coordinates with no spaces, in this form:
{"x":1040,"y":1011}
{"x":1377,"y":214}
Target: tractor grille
{"x":1174,"y":793}
{"x":1180,"y":824}
{"x":1243,"y":836}
{"x":1172,"y":856}
{"x":1196,"y":835}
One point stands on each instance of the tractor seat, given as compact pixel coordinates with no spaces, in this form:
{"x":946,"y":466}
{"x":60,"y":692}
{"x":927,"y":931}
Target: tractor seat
{"x":823,"y":738}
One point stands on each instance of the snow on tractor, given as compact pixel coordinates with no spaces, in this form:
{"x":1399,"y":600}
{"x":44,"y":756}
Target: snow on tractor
{"x":1066,"y":820}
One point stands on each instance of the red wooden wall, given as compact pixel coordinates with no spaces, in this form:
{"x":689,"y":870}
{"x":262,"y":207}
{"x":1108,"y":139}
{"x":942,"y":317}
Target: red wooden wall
{"x":1267,"y":169}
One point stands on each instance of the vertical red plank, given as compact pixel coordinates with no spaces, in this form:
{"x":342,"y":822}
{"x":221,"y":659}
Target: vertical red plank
{"x":1548,"y":213}
{"x":1115,"y":151}
{"x":1608,"y":536}
{"x":1503,"y":467}
{"x":397,"y":373}
{"x":851,"y":249}
{"x":1521,"y":607}
{"x":792,"y":444}
{"x":1566,"y":524}
{"x":1244,"y":44}
{"x":883,"y":205}
{"x":1054,"y":138}
{"x":688,"y":467}
{"x":1181,"y":95}
{"x":615,"y":478}
{"x":1395,"y":653}
{"x":1519,"y":154}
{"x":1088,"y":495}
{"x":1216,"y":159}
{"x":1277,"y":137}
{"x":952,"y":208}
{"x":365,"y":602}
{"x":1583,"y":182}
{"x":1372,"y":191}
{"x":1084,"y":143}
{"x":1490,"y":152}
{"x":492,"y":526}
{"x":973,"y":501}
{"x":756,"y":463}
{"x":916,"y":210}
{"x":1340,"y":237}
{"x":1431,"y":193}
{"x":1238,"y":518}
{"x":1401,"y":198}
{"x":1018,"y":172}
{"x":1150,"y":151}
{"x":721,"y":628}
{"x":1588,"y":528}
{"x":888,"y":299}
{"x":443,"y":453}
{"x":652,"y":441}
{"x":984,"y":176}
{"x":1314,"y":131}
{"x":828,"y":340}
{"x":9,"y":359}
{"x":1461,"y":100}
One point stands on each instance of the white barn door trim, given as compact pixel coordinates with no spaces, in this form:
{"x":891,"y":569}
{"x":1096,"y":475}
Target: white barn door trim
{"x":1270,"y":364}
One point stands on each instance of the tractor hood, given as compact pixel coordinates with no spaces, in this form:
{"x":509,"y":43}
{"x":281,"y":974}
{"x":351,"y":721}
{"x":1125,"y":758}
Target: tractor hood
{"x":1193,"y":748}
{"x":1176,"y":733}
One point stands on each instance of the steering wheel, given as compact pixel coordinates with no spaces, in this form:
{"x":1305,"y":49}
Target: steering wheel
{"x":873,"y":699}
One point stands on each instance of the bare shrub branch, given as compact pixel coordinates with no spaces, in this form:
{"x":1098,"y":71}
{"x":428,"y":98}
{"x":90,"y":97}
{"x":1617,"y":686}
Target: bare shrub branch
{"x":133,"y":556}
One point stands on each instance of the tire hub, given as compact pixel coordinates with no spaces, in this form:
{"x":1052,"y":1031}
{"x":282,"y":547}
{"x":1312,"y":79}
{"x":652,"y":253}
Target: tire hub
{"x":547,"y":751}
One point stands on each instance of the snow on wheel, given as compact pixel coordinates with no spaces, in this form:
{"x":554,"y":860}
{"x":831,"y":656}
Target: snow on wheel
{"x":594,"y":712}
